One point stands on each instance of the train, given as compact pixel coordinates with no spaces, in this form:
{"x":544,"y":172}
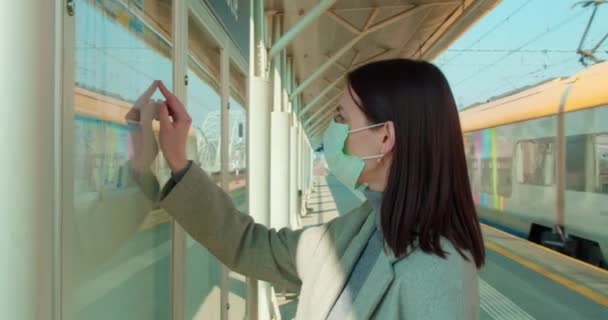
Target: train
{"x":537,"y":160}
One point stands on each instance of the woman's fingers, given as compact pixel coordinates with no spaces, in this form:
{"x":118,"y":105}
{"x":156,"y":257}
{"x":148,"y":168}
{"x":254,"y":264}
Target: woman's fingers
{"x":150,"y":91}
{"x":133,"y":115}
{"x":174,"y":127}
{"x":156,"y":107}
{"x":175,"y":107}
{"x":168,"y":95}
{"x":163,"y":117}
{"x":147,"y":94}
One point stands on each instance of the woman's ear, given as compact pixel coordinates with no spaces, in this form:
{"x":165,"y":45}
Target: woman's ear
{"x":388,"y":141}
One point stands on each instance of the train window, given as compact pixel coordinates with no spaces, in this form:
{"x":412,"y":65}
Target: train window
{"x":489,"y":163}
{"x":601,"y":165}
{"x":472,"y":165}
{"x":587,"y":163}
{"x":536,"y":162}
{"x":499,"y":181}
{"x":577,"y":162}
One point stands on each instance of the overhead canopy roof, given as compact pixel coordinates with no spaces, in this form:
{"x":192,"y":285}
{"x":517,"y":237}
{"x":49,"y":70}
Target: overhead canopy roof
{"x":349,"y":33}
{"x":339,"y":35}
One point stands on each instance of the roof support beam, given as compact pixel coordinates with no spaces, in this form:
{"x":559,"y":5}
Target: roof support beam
{"x":322,"y":110}
{"x":336,"y":88}
{"x":310,"y":17}
{"x":368,"y":8}
{"x":328,"y":116}
{"x":352,"y":62}
{"x":339,"y":65}
{"x":321,"y":95}
{"x":382,"y":24}
{"x":331,"y":86}
{"x":371,"y":18}
{"x":439,"y":39}
{"x":321,"y":127}
{"x":345,"y":23}
{"x":399,"y":51}
{"x":327,"y":64}
{"x":330,"y":113}
{"x":316,"y":127}
{"x":393,"y":6}
{"x":373,"y":57}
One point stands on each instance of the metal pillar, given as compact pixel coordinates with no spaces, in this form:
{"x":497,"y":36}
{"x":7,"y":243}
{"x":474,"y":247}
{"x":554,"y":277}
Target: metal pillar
{"x":293,"y":188}
{"x":299,"y":168}
{"x":280,"y":171}
{"x":30,"y":133}
{"x":308,"y":168}
{"x":275,"y":69}
{"x":311,"y":162}
{"x":258,"y":191}
{"x":225,"y":164}
{"x":290,"y":82}
{"x":280,"y":139}
{"x":178,"y":252}
{"x":258,"y":188}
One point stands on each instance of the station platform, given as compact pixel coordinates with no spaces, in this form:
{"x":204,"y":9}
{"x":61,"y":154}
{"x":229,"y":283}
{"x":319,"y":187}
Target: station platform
{"x":521,"y":280}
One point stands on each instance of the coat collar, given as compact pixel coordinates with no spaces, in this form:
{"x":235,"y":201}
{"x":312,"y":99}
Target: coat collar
{"x":374,"y":288}
{"x":334,"y":273}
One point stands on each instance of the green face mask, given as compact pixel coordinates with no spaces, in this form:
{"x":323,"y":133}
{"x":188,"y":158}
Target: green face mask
{"x":347,"y":168}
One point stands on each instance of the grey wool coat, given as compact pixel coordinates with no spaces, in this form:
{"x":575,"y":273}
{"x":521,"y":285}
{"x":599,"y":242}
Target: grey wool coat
{"x":316,"y":261}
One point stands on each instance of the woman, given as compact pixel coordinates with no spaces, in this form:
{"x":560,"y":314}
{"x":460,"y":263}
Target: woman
{"x":410,"y":252}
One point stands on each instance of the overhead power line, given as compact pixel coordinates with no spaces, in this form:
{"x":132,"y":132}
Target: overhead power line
{"x":589,"y":55}
{"x":549,"y":30}
{"x":515,"y":51}
{"x":492,"y":29}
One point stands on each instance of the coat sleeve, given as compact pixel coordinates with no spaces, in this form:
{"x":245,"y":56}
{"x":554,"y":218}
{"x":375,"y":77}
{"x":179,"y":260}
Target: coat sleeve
{"x":207,"y":213}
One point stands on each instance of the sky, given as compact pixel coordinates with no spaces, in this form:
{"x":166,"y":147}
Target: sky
{"x":519,"y":43}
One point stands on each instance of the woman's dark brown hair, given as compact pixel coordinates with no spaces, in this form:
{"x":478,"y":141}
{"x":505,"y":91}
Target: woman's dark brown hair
{"x":428,"y":194}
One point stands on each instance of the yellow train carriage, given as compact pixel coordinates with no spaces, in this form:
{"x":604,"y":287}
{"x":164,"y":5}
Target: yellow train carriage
{"x":538,"y":162}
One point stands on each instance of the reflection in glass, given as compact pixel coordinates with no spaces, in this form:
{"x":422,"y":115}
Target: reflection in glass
{"x":203,"y":270}
{"x":238,"y":154}
{"x":116,"y":243}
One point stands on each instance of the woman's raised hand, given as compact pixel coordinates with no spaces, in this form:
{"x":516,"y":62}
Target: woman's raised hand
{"x":139,"y":119}
{"x":141,"y":105}
{"x":174,"y":128}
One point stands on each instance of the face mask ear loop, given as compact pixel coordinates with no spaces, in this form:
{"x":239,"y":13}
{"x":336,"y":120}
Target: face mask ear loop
{"x":365,"y":128}
{"x":379,"y":157}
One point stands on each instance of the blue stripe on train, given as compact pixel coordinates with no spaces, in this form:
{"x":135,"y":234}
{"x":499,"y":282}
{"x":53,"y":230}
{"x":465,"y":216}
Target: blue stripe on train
{"x":506,"y":229}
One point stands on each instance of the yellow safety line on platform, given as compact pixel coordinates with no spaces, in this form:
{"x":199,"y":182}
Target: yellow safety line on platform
{"x":587,"y":292}
{"x":559,"y":254}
